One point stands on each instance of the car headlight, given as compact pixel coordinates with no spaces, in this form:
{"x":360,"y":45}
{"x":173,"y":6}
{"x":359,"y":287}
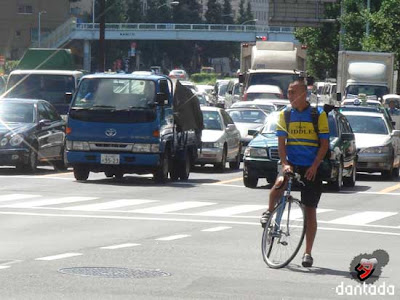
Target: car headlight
{"x":255,"y":152}
{"x":146,"y":148}
{"x":16,"y":140}
{"x":3,"y":142}
{"x":376,"y":150}
{"x":80,"y":146}
{"x":213,"y":145}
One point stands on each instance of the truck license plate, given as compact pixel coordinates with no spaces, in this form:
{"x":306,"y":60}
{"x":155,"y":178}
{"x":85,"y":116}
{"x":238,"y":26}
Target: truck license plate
{"x":110,"y":159}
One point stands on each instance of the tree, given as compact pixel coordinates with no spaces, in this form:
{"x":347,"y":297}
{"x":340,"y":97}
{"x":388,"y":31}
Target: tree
{"x":242,"y":13}
{"x":227,"y":14}
{"x":187,"y":12}
{"x":159,"y":12}
{"x":134,"y":13}
{"x":213,"y":14}
{"x":249,"y":14}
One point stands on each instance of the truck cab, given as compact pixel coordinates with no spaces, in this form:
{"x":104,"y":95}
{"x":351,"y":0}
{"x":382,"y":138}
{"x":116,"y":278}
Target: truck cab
{"x":121,"y":124}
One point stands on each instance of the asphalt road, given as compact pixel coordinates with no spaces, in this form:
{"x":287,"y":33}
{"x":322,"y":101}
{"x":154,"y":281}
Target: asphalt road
{"x":133,"y":239}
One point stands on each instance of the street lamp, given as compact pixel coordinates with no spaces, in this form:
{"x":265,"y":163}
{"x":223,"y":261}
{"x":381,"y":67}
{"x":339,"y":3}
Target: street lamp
{"x":40,"y":13}
{"x":173,"y":3}
{"x":248,"y":21}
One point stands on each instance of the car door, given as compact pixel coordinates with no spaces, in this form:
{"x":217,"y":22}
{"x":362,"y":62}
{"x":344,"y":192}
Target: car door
{"x":57,"y":130}
{"x":43,"y":133}
{"x":233,"y":135}
{"x":349,"y":149}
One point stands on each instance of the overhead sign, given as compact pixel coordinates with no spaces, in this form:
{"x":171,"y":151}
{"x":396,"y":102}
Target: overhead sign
{"x":298,"y":13}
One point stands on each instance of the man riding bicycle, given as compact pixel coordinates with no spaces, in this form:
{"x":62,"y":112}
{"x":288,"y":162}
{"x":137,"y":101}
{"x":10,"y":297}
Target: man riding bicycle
{"x":301,"y":150}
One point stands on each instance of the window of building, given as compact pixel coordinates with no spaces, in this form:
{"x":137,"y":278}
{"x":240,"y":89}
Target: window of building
{"x":24,"y":9}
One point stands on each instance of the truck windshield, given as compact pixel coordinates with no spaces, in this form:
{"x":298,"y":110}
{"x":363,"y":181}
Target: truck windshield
{"x":279,"y":79}
{"x":103,"y":93}
{"x":51,"y":88}
{"x":369,"y":90}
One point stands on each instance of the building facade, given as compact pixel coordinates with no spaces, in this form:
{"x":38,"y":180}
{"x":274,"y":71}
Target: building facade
{"x":19,"y":20}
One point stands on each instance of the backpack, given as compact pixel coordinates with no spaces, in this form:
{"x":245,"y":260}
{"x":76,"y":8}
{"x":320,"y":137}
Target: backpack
{"x":325,"y":168}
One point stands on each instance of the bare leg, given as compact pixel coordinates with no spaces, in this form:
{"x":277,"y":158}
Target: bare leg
{"x":311,"y":227}
{"x":276,"y":194}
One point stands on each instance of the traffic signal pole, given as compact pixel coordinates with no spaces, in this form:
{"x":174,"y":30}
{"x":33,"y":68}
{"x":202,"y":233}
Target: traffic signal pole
{"x":101,"y":58}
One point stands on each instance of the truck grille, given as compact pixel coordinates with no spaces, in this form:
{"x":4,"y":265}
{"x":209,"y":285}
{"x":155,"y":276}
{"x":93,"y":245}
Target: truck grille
{"x":111,"y":146}
{"x":273,"y":153}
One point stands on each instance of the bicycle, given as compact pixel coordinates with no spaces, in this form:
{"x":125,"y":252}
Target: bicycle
{"x":277,"y":247}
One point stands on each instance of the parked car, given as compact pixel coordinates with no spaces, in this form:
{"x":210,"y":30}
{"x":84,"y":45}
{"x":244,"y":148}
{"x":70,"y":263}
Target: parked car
{"x":179,"y":74}
{"x":247,"y":119}
{"x":261,"y":156}
{"x":220,"y":140}
{"x":265,"y":106}
{"x":262,"y":91}
{"x":31,"y":132}
{"x":232,"y":94}
{"x":378,"y":145}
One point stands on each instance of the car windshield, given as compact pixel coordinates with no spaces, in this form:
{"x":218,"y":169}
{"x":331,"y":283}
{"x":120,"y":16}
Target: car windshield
{"x":367,"y":124}
{"x":115,"y":93}
{"x":202,"y":99}
{"x":281,"y":80}
{"x":253,"y":96}
{"x":51,"y":88}
{"x":16,"y":112}
{"x":247,"y":116}
{"x":222,"y":89}
{"x":212,"y":120}
{"x":369,"y":90}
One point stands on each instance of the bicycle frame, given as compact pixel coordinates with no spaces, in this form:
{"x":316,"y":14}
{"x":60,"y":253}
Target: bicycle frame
{"x":281,"y":207}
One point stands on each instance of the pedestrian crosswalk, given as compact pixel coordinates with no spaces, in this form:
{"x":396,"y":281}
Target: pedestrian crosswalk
{"x":201,"y":209}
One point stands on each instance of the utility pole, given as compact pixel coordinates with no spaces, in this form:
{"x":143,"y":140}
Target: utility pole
{"x":342,"y":30}
{"x":369,"y":9}
{"x":101,"y":61}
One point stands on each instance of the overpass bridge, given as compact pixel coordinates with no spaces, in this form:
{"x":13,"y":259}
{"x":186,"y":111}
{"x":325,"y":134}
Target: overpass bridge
{"x":71,"y":30}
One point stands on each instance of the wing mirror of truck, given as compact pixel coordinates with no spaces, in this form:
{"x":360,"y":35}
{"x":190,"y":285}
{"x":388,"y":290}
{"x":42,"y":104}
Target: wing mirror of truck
{"x":44,"y":123}
{"x":162,"y":99}
{"x":339,"y":97}
{"x":68,"y":97}
{"x":241,"y":78}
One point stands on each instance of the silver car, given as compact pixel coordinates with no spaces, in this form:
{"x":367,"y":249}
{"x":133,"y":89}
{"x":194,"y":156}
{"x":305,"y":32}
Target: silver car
{"x":220,"y":140}
{"x":377,"y":144}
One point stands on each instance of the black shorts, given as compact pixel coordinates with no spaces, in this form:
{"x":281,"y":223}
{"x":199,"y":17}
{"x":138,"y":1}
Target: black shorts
{"x":312,"y":190}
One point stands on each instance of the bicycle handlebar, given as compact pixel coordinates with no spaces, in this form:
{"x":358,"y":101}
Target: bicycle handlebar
{"x":292,"y":175}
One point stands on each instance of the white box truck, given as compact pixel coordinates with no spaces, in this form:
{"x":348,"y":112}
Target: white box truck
{"x":370,"y":73}
{"x":272,"y":63}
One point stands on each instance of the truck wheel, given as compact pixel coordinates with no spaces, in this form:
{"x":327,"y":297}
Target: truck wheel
{"x":81,"y":173}
{"x":118,"y":175}
{"x":61,"y":165}
{"x":184,"y":168}
{"x":109,"y":174}
{"x":161,"y":175}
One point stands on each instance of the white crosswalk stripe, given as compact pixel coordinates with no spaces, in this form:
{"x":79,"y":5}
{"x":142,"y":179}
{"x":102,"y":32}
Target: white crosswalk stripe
{"x":363,"y":218}
{"x":172,"y":207}
{"x":233,"y":210}
{"x":110,"y":205}
{"x":13,"y":197}
{"x":45,"y":202}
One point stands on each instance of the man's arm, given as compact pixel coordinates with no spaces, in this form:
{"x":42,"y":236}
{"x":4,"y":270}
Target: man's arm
{"x":323,"y":148}
{"x":282,"y":153}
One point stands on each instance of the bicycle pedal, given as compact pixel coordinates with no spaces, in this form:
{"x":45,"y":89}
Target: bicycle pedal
{"x":284,"y":243}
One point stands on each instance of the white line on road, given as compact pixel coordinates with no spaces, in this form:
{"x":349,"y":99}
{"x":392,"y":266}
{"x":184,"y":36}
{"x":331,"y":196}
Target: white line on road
{"x":233,"y":210}
{"x":4,"y":267}
{"x":36,"y":177}
{"x":363,"y":218}
{"x":110,"y":204}
{"x":127,"y":245}
{"x":172,"y":207}
{"x":173,"y":237}
{"x":214,"y":229}
{"x":59,"y":256}
{"x":63,"y":200}
{"x":12,"y":197}
{"x":105,"y":217}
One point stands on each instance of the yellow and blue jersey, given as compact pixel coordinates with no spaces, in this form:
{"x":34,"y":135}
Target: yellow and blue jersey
{"x":302,"y":142}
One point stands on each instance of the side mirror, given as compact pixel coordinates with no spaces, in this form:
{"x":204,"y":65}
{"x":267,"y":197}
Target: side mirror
{"x":241,"y":78}
{"x":162,"y":99}
{"x":348,"y":136}
{"x":230,"y":127}
{"x":339,"y":97}
{"x":44,"y":123}
{"x":393,"y":123}
{"x":68,"y":98}
{"x":396,"y":133}
{"x":252,"y":132}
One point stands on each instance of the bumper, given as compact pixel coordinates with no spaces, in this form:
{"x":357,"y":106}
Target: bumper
{"x":209,"y":155}
{"x":374,"y":162}
{"x":12,"y":157}
{"x":260,"y":168}
{"x":129,"y":162}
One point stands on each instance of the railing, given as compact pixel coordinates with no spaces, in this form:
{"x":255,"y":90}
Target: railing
{"x":60,"y":34}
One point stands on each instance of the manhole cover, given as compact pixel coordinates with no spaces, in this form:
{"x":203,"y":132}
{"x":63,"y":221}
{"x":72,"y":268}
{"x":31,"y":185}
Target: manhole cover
{"x":108,"y":272}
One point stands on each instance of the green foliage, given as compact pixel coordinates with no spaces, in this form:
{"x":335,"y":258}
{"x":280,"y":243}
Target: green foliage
{"x":159,"y":12}
{"x":204,"y":78}
{"x":134,"y":12}
{"x":249,"y":14}
{"x":187,"y":12}
{"x":10,"y":65}
{"x":242,"y":13}
{"x":213,"y":14}
{"x":227,"y":14}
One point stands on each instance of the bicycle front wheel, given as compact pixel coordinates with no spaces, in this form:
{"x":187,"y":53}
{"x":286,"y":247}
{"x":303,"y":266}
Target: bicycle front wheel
{"x":283,"y":234}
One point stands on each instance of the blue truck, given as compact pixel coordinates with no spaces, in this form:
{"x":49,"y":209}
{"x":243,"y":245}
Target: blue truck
{"x":124,"y":123}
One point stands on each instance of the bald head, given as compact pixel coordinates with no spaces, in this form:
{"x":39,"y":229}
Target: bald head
{"x":297,"y":94}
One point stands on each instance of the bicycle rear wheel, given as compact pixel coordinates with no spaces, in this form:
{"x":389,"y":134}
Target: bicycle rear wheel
{"x":282,"y":239}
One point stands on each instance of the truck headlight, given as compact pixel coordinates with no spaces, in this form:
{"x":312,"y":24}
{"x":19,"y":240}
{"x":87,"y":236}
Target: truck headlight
{"x":376,"y":150}
{"x":149,"y":148}
{"x":80,"y":146}
{"x":255,"y":152}
{"x":16,"y":140}
{"x":4,"y":142}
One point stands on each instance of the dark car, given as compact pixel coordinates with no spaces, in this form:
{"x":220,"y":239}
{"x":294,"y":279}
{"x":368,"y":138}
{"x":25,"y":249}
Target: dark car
{"x":261,"y":156}
{"x":31,"y":132}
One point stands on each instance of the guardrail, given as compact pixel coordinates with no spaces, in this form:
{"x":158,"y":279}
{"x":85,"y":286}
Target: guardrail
{"x":60,"y":34}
